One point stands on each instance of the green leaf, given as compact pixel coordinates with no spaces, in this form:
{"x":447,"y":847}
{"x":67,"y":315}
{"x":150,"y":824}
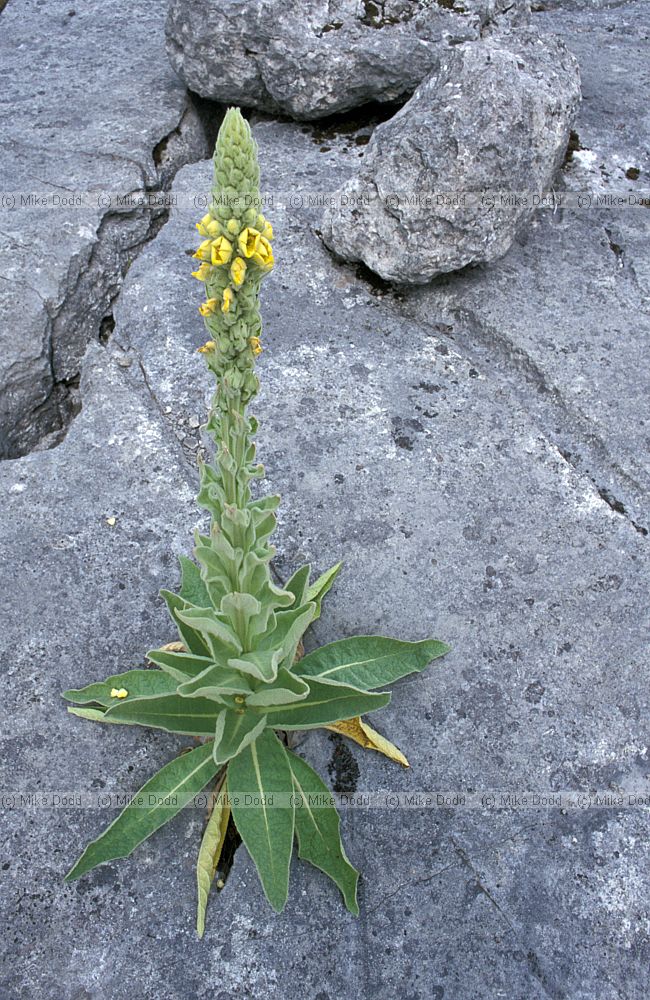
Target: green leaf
{"x":179,"y":665}
{"x":190,"y":636}
{"x":160,"y":799}
{"x":193,"y":589}
{"x":254,"y":572}
{"x":327,"y":702}
{"x":93,"y":714}
{"x":139,"y":684}
{"x":216,"y":633}
{"x":234,"y":730}
{"x":266,"y":828}
{"x":265,"y":504}
{"x":286,"y":630}
{"x":239,"y":609}
{"x":192,"y":716}
{"x":298,"y":585}
{"x":318,"y":829}
{"x":285,"y":688}
{"x":260,"y":663}
{"x":216,"y":557}
{"x":369,"y":661}
{"x":216,"y":682}
{"x":321,"y":586}
{"x":210,"y":853}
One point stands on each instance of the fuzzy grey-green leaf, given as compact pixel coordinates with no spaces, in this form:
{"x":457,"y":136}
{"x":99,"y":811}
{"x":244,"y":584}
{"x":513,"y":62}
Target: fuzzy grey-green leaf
{"x":216,"y":682}
{"x":193,"y":589}
{"x":260,"y":771}
{"x":321,"y":586}
{"x":318,"y":829}
{"x":325,"y":703}
{"x":190,"y":635}
{"x":181,"y":666}
{"x":285,"y":688}
{"x":191,"y":716}
{"x":235,"y":730}
{"x":138,"y":683}
{"x":210,"y":853}
{"x":369,"y":661}
{"x":298,"y":585}
{"x":155,"y":804}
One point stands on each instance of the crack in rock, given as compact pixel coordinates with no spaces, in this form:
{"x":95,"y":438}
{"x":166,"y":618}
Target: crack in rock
{"x":90,"y":287}
{"x":564,"y":427}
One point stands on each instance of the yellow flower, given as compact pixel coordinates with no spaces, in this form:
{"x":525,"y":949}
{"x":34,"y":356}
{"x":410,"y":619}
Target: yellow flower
{"x":202,"y":272}
{"x":232,"y":226}
{"x":228,"y":298}
{"x":202,"y":226}
{"x":207,"y":347}
{"x":203,"y":253}
{"x":206,"y":308}
{"x":248,"y":241}
{"x":256,"y":345}
{"x":238,"y":270}
{"x":264,"y":253}
{"x":213,"y":228}
{"x":119,"y":692}
{"x":221,"y":251}
{"x":265,"y":227}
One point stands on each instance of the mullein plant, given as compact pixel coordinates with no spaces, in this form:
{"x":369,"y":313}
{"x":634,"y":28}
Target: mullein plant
{"x":234,"y":679}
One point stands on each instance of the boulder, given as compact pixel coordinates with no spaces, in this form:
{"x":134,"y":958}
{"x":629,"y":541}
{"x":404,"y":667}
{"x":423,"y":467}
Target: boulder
{"x":312,"y":58}
{"x":453,"y":176}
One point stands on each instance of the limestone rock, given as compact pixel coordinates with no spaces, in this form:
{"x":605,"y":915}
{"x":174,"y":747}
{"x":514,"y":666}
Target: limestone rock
{"x":455,"y":513}
{"x":65,"y":136}
{"x":311,"y":58}
{"x":417,"y":434}
{"x":452,"y":177}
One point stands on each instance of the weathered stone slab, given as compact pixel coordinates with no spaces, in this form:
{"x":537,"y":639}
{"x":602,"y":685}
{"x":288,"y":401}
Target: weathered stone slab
{"x":311,"y":58}
{"x":63,"y":134}
{"x":79,"y":598}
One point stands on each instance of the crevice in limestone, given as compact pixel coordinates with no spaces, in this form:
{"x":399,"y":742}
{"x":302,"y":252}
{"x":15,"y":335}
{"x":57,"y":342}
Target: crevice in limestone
{"x":231,"y":843}
{"x":95,"y":278}
{"x":563,"y":426}
{"x":106,"y":327}
{"x":375,"y":15}
{"x":619,"y":508}
{"x":573,"y":146}
{"x":358,"y":123}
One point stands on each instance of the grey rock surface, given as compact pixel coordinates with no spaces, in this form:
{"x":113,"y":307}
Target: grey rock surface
{"x":312,"y":58}
{"x":457,"y":516}
{"x":79,"y":595}
{"x":412,"y":437}
{"x":493,"y":120}
{"x":567,"y":310}
{"x":65,"y":134}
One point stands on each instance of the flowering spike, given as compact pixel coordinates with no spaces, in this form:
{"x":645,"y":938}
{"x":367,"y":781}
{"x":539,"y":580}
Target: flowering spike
{"x":239,"y":256}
